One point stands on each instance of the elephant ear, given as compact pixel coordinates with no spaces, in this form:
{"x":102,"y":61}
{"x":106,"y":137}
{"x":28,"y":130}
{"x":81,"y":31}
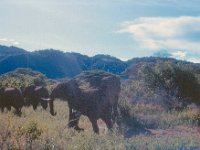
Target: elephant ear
{"x":73,"y":87}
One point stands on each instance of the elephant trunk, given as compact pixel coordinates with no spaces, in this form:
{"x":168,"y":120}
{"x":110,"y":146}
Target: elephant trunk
{"x":51,"y":105}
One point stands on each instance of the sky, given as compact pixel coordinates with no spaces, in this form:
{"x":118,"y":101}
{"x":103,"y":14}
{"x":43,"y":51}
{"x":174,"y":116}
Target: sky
{"x":121,"y":28}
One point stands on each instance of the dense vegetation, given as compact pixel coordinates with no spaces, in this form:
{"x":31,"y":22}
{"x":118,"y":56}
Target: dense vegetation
{"x":164,"y":81}
{"x":21,"y":78}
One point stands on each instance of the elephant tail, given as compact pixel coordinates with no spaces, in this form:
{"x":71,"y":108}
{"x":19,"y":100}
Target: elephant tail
{"x":115,"y":114}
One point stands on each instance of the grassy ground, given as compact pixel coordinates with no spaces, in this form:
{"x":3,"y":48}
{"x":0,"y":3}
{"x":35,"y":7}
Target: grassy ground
{"x":156,"y":129}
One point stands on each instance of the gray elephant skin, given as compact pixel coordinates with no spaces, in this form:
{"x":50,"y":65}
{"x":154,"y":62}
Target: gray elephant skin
{"x":93,"y":94}
{"x":11,"y":97}
{"x":38,"y":95}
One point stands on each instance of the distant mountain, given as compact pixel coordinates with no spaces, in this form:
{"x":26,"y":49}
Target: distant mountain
{"x":154,"y":60}
{"x":4,"y":50}
{"x":57,"y":64}
{"x":8,"y":51}
{"x":108,"y":63}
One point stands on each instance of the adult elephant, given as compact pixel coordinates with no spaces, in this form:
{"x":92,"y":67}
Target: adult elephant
{"x":11,"y":97}
{"x":94,"y":94}
{"x":35,"y":95}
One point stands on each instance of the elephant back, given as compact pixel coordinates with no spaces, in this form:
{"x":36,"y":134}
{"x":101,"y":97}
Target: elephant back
{"x":105,"y":86}
{"x":13,"y":97}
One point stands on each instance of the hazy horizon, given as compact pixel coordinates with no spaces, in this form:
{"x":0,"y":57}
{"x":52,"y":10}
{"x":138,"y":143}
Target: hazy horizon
{"x":124,"y":29}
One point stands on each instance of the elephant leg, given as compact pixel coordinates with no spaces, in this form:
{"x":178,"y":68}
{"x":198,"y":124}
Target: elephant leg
{"x":35,"y":105}
{"x":108,"y":122}
{"x":2,"y":109}
{"x":74,"y":119}
{"x":77,"y":128}
{"x":114,"y":112}
{"x":76,"y":115}
{"x":70,"y":124}
{"x":71,"y":119}
{"x":116,"y":115}
{"x":18,"y":111}
{"x":107,"y":118}
{"x":43,"y":104}
{"x":8,"y":108}
{"x":94,"y":125}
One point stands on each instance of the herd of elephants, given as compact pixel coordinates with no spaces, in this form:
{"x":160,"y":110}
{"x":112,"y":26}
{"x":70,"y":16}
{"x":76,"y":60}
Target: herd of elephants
{"x":99,"y":100}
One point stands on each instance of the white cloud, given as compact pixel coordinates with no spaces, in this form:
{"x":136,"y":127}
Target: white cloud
{"x":183,"y":3}
{"x":179,"y":54}
{"x":8,"y":41}
{"x":194,"y":60}
{"x":156,"y":33}
{"x":124,"y":58}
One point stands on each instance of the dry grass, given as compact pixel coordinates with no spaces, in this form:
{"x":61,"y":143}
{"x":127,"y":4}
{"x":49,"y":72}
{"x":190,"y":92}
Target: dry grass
{"x":39,"y":130}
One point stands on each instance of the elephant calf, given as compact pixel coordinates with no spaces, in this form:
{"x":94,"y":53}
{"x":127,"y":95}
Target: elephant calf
{"x":11,"y":97}
{"x":35,"y":95}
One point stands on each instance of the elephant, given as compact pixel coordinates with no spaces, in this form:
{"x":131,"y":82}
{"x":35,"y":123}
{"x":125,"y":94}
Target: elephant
{"x":11,"y":97}
{"x":98,"y":100}
{"x":35,"y":95}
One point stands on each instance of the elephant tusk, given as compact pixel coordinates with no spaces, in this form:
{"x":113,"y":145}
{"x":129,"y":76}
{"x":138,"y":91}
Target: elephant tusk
{"x":46,"y":99}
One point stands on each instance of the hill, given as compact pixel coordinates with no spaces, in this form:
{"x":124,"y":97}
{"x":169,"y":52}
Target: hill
{"x":23,"y":77}
{"x":55,"y":63}
{"x":5,"y":51}
{"x":166,"y":82}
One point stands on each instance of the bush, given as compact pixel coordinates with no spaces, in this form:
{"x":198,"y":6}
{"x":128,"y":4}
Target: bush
{"x":166,"y":83}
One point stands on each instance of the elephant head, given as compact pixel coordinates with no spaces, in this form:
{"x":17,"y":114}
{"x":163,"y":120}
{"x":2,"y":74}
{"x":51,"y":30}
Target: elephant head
{"x":35,"y":95}
{"x":28,"y":93}
{"x":65,"y":91}
{"x":42,"y":94}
